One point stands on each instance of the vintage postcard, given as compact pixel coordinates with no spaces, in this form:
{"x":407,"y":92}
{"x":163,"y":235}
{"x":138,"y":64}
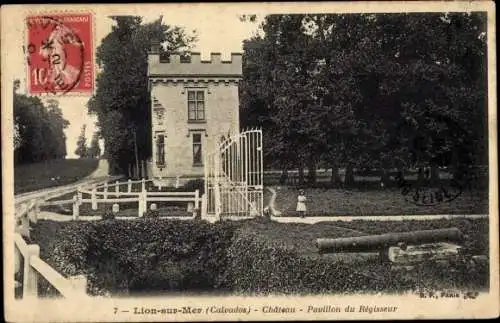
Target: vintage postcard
{"x":243,"y":162}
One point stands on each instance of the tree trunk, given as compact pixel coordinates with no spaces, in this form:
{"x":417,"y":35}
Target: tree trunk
{"x":301,"y":175}
{"x":349,"y":176}
{"x":384,"y":178}
{"x":335,"y":180}
{"x":284,"y":176}
{"x":434,"y":175}
{"x":421,"y":176}
{"x":311,"y":173}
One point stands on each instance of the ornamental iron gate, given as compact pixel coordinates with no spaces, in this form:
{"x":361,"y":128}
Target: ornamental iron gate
{"x":234,"y":176}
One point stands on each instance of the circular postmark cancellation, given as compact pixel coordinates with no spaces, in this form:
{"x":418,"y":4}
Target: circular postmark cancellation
{"x":444,"y":146}
{"x":59,"y":54}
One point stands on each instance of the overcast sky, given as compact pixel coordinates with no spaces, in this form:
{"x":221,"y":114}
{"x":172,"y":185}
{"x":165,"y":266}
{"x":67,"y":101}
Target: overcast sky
{"x":222,"y":33}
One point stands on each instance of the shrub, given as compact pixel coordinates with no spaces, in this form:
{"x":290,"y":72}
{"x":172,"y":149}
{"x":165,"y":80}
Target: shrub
{"x":108,"y":215}
{"x":126,"y":256}
{"x":151,"y":214}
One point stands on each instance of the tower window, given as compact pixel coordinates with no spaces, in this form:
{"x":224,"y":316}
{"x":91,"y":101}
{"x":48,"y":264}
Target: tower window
{"x":196,"y":105}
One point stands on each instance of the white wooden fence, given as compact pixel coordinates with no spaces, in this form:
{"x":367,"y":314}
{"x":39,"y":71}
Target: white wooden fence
{"x":27,"y":258}
{"x":110,"y":194}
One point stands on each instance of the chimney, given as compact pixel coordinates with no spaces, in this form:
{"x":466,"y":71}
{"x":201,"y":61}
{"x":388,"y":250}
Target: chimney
{"x":154,"y":54}
{"x":155,"y":47}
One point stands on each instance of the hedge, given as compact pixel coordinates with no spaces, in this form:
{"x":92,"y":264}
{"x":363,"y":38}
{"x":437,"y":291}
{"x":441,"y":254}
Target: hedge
{"x":155,"y":255}
{"x":127,"y":256}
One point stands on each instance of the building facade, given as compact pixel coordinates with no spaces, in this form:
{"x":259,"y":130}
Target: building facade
{"x":194,"y":104}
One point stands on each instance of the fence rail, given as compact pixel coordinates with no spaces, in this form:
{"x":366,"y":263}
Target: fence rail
{"x":33,"y":267}
{"x":102,"y":194}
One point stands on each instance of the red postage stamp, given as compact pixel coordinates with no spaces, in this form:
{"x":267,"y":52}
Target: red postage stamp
{"x":60,"y":54}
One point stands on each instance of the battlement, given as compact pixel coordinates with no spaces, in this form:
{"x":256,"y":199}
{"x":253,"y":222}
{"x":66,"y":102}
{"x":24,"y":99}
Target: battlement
{"x":193,"y":66}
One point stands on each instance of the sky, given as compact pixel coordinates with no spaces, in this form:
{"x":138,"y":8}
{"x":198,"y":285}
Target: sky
{"x":222,"y":32}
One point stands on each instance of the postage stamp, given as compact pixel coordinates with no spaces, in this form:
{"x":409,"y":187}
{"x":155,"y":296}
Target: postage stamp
{"x":60,"y":53}
{"x":250,"y":162}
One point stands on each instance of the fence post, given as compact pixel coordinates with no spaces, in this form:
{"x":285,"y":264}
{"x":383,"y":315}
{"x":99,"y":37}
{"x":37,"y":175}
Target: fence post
{"x":143,"y":185}
{"x":17,"y":259}
{"x":94,"y":197}
{"x":79,"y":284}
{"x":30,"y":279}
{"x":129,"y":185}
{"x":117,"y":188}
{"x":142,"y":204}
{"x":32,"y":213}
{"x":76,"y":208}
{"x":105,"y":192}
{"x":204,"y":206}
{"x":196,"y":202}
{"x":79,"y":193}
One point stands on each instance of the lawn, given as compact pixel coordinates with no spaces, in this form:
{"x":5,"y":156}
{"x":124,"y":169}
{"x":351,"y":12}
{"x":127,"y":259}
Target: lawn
{"x":338,"y":202}
{"x":32,"y":177}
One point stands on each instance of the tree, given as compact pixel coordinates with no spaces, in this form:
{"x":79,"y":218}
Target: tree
{"x":94,"y":150}
{"x":81,"y":144}
{"x":122,"y":99}
{"x":39,"y":130}
{"x":369,"y":90}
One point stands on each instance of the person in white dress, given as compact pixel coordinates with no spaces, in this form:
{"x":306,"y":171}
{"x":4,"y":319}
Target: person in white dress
{"x":301,"y":204}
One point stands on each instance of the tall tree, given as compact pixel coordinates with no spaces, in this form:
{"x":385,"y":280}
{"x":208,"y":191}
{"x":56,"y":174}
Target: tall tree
{"x":81,"y":144}
{"x":94,"y":150}
{"x":122,"y":100}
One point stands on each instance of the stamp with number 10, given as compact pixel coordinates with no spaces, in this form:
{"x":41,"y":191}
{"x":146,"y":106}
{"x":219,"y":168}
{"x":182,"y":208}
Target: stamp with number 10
{"x":60,"y":54}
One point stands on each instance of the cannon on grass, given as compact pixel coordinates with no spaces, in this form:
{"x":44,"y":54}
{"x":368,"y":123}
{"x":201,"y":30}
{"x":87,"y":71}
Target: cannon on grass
{"x":399,"y":247}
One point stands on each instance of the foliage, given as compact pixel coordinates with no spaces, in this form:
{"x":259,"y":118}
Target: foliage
{"x":368,"y":90}
{"x":254,"y":256}
{"x":39,"y":130}
{"x":151,"y":214}
{"x":81,"y":144}
{"x":127,"y":256}
{"x":122,"y":100}
{"x":108,"y":215}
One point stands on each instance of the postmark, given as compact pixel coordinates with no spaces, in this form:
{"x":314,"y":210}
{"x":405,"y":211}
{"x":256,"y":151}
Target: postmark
{"x":448,"y":150}
{"x":59,"y":54}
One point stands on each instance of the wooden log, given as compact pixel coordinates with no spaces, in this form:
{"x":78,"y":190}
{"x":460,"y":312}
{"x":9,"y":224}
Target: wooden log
{"x":378,"y":242}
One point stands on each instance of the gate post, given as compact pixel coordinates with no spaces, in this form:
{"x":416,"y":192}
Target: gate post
{"x":129,"y":185}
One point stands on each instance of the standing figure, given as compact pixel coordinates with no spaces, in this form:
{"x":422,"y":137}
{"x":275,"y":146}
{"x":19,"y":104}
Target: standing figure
{"x":301,"y":204}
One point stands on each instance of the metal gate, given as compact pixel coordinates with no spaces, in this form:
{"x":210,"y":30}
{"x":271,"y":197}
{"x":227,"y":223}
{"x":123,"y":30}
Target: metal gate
{"x":234,"y":176}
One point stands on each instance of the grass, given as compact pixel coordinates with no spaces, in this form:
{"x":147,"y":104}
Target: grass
{"x":301,"y":237}
{"x":32,"y":177}
{"x":338,"y":202}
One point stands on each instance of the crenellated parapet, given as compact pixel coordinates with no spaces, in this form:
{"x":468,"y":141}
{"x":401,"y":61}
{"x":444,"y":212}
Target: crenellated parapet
{"x":193,"y":67}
